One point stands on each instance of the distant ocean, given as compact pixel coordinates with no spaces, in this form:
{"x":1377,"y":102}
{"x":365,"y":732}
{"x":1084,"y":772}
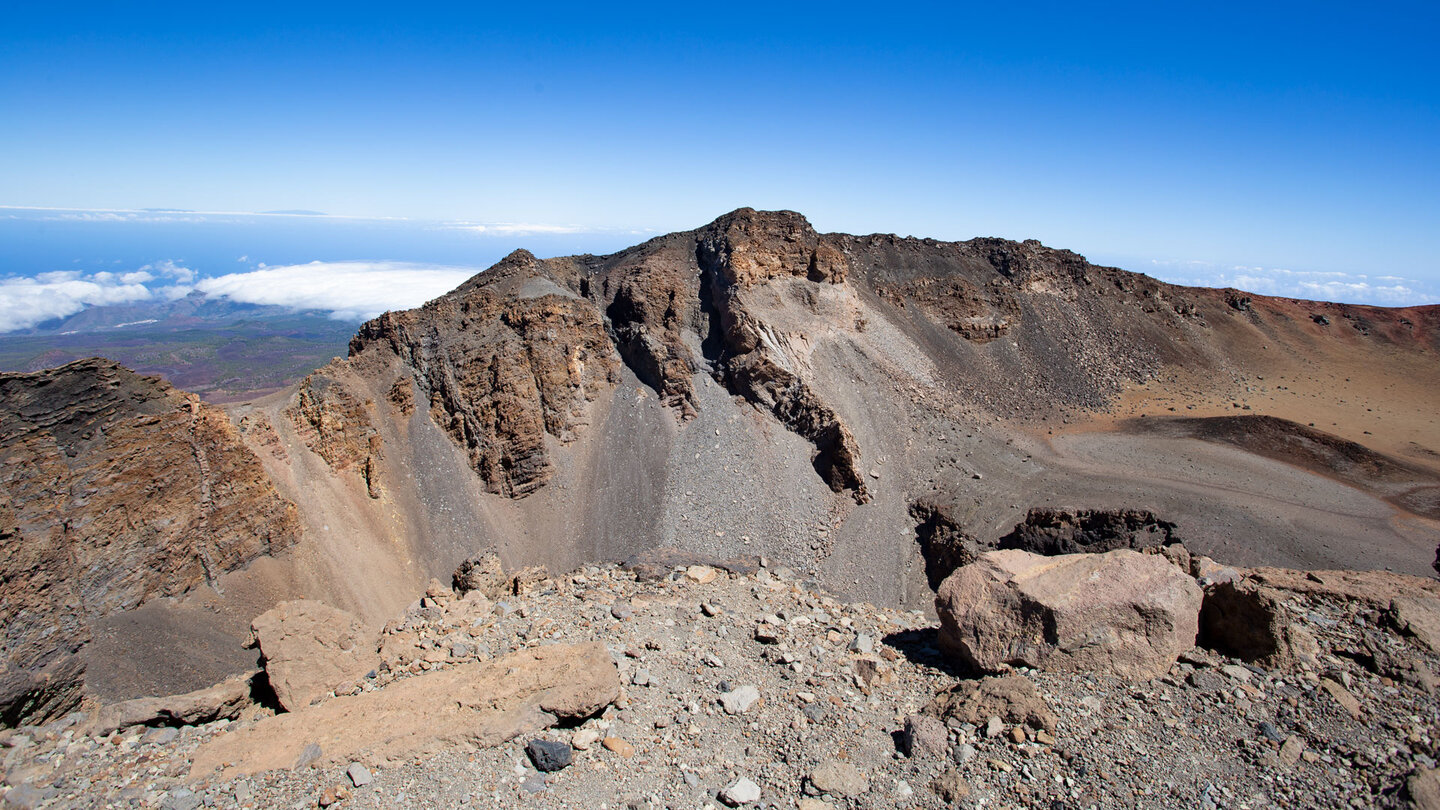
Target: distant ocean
{"x":40,"y":241}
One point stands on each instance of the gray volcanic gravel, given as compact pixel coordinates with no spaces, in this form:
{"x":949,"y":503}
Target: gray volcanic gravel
{"x":835,"y":684}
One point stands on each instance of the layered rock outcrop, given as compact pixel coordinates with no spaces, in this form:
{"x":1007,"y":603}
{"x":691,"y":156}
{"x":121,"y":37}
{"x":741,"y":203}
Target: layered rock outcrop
{"x":336,"y":426}
{"x":114,"y":489}
{"x":519,"y":352}
{"x":502,"y":370}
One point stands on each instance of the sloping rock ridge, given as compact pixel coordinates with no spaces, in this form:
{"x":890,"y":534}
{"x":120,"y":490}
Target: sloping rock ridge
{"x":115,"y":489}
{"x":482,"y":704}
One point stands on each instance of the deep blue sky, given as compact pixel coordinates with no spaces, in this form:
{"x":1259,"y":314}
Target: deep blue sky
{"x":1179,"y":141}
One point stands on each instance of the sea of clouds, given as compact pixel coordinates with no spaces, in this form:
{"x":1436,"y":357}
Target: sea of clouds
{"x":350,"y":290}
{"x":347,"y":290}
{"x":1311,"y":285}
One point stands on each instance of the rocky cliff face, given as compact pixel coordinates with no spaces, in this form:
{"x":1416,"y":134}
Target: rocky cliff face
{"x":519,"y":352}
{"x":501,"y":370}
{"x":115,"y":489}
{"x":876,"y":354}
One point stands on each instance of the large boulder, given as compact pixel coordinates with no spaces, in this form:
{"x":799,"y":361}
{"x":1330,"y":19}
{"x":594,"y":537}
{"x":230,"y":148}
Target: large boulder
{"x":481,"y":704}
{"x":1121,"y":612}
{"x":482,"y":574}
{"x":309,"y":649}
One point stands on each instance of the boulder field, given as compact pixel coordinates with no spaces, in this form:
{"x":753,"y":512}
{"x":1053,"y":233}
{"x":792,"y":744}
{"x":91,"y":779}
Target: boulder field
{"x":747,"y":685}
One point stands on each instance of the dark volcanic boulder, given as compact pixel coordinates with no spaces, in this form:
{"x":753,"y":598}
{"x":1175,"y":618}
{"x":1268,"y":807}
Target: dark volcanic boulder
{"x":943,"y":544}
{"x":1058,"y":531}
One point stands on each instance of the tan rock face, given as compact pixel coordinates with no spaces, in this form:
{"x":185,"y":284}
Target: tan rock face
{"x":1418,"y":618}
{"x":482,"y":704}
{"x":336,"y":425}
{"x":114,"y":489}
{"x":309,"y":649}
{"x":1121,"y":612}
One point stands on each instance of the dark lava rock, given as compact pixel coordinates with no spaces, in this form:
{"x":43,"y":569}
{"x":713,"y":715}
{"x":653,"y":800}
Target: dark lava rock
{"x":1054,"y":531}
{"x":943,"y":544}
{"x":548,"y":755}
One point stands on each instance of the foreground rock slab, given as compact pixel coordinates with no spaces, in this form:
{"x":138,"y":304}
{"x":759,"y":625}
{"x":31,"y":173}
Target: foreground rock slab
{"x":224,"y":700}
{"x":310,"y":649}
{"x":480,"y":704}
{"x":1121,"y":612}
{"x":1012,"y":698}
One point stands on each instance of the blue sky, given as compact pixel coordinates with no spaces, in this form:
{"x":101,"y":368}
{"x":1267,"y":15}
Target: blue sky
{"x":1203,"y":143}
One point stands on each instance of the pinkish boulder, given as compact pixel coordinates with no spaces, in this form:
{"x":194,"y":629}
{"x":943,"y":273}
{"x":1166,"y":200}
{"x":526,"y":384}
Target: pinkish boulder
{"x":1121,"y":612}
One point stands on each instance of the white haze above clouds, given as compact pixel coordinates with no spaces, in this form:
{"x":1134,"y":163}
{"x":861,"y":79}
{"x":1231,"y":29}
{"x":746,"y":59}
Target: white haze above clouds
{"x":352,"y":290}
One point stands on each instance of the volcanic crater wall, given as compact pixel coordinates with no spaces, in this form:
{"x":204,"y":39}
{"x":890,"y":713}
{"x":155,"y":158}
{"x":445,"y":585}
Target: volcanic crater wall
{"x":748,"y":387}
{"x":115,"y":489}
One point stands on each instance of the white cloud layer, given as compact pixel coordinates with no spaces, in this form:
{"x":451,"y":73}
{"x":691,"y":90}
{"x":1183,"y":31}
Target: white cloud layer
{"x":347,"y":290}
{"x":1348,"y":288}
{"x":28,"y":301}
